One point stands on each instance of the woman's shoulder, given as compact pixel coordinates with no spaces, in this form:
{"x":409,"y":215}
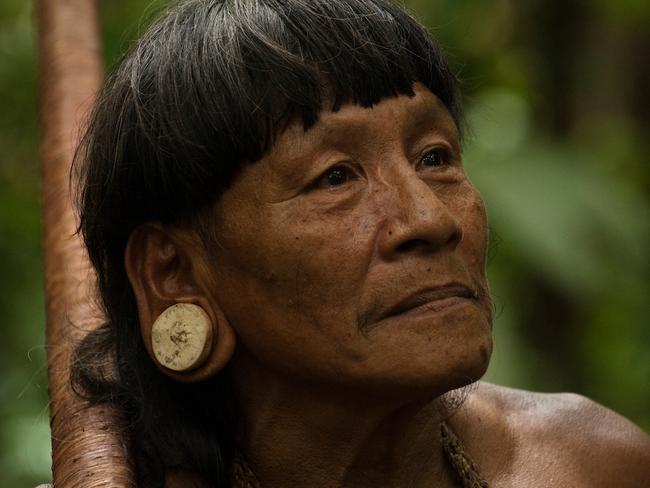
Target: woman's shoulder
{"x":553,"y":439}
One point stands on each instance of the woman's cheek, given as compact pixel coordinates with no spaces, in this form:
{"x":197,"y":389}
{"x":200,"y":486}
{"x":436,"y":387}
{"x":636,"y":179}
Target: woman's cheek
{"x":470,"y":212}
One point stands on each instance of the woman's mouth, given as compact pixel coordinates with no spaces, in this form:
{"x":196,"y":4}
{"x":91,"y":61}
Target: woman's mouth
{"x":431,"y":299}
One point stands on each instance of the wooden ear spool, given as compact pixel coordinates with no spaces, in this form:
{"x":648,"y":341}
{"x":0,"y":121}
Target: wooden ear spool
{"x":89,"y":446}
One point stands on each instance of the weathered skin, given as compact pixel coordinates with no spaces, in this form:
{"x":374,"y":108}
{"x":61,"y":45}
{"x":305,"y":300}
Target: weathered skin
{"x":335,"y":389}
{"x":521,"y":438}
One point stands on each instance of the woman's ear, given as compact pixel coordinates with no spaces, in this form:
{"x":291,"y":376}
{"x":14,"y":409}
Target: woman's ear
{"x":167,"y":267}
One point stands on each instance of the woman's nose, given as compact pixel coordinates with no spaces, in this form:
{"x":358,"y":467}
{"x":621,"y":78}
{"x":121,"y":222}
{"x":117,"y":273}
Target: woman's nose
{"x":417,"y":221}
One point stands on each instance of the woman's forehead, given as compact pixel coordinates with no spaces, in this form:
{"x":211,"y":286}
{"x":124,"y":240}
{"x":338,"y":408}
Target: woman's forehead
{"x":403,"y":116}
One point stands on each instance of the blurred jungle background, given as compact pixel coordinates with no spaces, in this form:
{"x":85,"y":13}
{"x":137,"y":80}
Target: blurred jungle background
{"x":558,"y":104}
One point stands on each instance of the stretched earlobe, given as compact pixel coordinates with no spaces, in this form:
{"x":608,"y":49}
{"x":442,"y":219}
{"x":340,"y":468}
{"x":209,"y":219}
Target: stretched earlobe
{"x":191,"y":342}
{"x":183,"y":327}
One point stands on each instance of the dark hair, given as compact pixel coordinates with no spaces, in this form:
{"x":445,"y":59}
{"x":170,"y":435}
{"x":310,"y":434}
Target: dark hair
{"x":206,"y":90}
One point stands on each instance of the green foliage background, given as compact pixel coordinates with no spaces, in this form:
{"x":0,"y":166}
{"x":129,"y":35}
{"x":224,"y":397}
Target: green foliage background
{"x":558,"y":105}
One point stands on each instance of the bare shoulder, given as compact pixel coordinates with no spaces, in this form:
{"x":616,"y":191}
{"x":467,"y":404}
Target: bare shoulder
{"x":555,"y":439}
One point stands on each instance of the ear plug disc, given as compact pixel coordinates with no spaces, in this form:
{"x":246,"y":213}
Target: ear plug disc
{"x":181,"y":337}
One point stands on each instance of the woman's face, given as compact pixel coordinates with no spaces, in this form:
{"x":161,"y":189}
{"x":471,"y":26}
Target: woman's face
{"x":353,"y":254}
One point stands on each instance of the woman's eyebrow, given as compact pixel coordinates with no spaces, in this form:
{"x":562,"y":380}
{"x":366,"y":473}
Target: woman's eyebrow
{"x":292,"y":164}
{"x":431,"y":114}
{"x":427,"y":120}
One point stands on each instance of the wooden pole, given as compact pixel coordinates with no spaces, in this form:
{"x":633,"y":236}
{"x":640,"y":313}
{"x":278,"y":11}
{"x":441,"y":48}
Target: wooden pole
{"x":89,"y":449}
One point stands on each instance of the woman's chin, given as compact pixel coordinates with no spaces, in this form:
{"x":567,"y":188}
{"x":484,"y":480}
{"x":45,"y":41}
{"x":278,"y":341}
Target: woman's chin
{"x":424,"y":373}
{"x":433,"y":354}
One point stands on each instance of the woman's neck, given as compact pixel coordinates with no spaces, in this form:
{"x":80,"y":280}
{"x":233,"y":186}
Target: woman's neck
{"x":314,"y":436}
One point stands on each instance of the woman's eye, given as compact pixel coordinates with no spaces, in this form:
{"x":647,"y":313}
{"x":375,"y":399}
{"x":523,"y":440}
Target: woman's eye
{"x":334,"y":177}
{"x":436,"y":157}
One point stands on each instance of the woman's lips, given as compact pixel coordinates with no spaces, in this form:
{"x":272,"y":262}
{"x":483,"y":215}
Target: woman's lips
{"x":434,"y":299}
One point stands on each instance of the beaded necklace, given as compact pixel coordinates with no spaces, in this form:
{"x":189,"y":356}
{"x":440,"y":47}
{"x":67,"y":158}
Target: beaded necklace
{"x":466,"y":470}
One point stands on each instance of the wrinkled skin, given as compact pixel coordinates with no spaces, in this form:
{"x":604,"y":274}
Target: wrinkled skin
{"x":349,"y":270}
{"x":306,"y":269}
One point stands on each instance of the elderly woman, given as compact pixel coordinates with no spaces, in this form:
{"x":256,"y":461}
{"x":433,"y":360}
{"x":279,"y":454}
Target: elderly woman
{"x":292,"y":263}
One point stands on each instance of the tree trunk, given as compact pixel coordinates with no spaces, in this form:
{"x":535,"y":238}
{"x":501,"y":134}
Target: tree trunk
{"x":89,"y":449}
